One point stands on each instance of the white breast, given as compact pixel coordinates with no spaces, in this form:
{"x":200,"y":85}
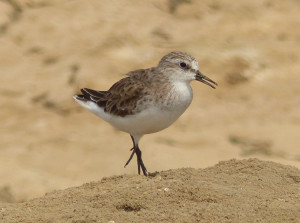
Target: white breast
{"x":181,"y":95}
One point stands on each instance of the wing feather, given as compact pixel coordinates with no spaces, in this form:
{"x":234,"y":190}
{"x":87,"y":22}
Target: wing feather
{"x":121,"y":99}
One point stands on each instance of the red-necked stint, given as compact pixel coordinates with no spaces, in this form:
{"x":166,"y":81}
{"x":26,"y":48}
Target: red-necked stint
{"x":147,"y":100}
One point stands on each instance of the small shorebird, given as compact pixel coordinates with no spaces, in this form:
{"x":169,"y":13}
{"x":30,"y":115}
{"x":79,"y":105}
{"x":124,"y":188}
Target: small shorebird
{"x":147,"y":100}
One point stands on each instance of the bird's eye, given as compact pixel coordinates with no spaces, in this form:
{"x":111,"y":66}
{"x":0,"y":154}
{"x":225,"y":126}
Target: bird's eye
{"x":183,"y":64}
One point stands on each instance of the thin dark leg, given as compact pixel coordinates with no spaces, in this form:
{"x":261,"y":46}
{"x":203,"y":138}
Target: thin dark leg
{"x":133,"y":152}
{"x":140,"y":163}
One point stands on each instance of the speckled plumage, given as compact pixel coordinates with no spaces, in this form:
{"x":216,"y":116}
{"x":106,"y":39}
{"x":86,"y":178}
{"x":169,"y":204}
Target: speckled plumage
{"x":147,"y":100}
{"x":131,"y":94}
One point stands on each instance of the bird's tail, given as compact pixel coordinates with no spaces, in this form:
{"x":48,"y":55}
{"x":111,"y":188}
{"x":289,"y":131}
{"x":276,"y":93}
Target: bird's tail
{"x":90,"y":95}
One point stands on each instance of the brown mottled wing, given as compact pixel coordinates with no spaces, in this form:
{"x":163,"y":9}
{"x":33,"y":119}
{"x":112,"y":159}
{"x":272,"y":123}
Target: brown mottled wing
{"x":121,"y":99}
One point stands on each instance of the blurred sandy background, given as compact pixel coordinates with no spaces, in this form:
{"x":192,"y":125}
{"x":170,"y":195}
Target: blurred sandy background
{"x":51,"y":49}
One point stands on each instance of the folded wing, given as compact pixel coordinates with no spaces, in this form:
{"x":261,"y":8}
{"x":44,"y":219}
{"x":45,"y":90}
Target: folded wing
{"x":120,"y":100}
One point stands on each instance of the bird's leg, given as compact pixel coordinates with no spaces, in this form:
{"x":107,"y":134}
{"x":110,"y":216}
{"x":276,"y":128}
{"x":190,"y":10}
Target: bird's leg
{"x":133,"y":152}
{"x":140,"y":163}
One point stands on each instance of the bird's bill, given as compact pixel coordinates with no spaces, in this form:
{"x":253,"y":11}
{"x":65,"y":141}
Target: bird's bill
{"x":202,"y":78}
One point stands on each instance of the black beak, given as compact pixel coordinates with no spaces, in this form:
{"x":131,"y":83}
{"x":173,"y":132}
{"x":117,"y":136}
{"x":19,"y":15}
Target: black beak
{"x":202,"y":78}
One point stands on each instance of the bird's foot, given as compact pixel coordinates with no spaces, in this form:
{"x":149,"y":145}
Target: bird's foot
{"x":133,"y":152}
{"x":140,"y":163}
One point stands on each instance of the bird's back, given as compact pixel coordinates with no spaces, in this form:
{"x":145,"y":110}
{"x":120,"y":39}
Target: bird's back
{"x":123,"y":97}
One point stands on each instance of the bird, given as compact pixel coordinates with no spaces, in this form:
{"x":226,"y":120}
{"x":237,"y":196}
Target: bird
{"x":147,"y":100}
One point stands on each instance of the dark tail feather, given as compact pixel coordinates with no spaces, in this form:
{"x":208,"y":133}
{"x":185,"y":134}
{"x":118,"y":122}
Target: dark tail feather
{"x":98,"y":97}
{"x":90,"y":93}
{"x":80,"y":97}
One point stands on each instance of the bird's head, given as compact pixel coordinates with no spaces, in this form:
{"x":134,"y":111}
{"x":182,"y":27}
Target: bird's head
{"x":184,"y":67}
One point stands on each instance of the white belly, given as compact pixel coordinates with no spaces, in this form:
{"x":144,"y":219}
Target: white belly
{"x":148,"y":121}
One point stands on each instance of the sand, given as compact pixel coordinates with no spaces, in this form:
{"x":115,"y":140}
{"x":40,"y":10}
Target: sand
{"x":231,"y":191}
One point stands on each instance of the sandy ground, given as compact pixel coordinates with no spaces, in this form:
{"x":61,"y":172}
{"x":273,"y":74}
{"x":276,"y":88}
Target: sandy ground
{"x":232,"y":191}
{"x":51,"y":49}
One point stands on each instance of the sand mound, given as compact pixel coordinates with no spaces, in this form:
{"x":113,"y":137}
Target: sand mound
{"x":232,"y":191}
{"x":50,"y":49}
